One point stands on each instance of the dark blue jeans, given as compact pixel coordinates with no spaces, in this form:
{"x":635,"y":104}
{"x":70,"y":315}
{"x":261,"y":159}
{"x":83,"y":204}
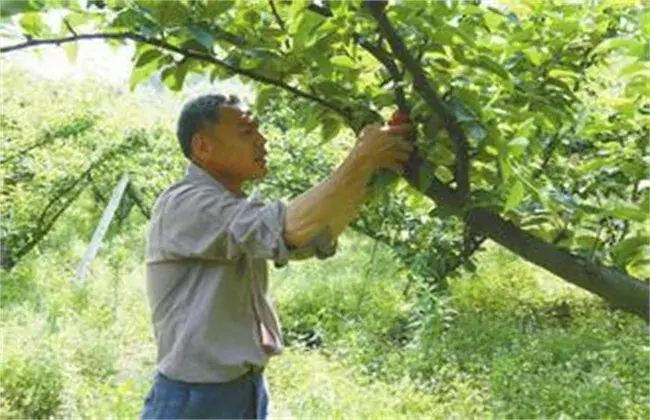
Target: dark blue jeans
{"x":243,"y":398}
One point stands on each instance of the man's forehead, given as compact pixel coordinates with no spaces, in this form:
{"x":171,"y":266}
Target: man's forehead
{"x":236,"y":114}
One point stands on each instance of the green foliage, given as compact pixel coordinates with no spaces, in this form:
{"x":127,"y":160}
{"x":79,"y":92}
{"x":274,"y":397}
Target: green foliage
{"x":31,"y":387}
{"x":552,"y":96}
{"x":54,"y":155}
{"x":512,"y":342}
{"x":505,"y":341}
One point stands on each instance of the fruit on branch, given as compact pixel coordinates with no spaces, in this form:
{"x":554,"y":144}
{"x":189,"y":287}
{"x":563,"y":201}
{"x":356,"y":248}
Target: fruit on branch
{"x":399,"y":118}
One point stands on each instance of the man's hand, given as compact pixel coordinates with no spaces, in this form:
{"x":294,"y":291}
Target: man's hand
{"x":333,"y":203}
{"x":384,"y":146}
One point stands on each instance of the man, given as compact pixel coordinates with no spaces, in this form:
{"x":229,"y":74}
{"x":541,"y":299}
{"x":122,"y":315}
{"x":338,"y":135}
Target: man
{"x":207,"y":254}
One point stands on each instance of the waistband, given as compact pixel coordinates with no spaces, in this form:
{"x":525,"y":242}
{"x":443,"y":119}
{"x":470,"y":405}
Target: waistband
{"x":254,"y":372}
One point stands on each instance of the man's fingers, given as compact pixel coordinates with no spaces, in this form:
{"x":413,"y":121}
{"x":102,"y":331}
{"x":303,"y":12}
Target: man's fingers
{"x":396,"y":160}
{"x":401,"y":158}
{"x":396,"y":167}
{"x":405,"y":146}
{"x":400,"y":145}
{"x":401,"y":129}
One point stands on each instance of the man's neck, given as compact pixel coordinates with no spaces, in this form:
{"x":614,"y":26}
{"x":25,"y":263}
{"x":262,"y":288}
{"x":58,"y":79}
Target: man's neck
{"x":231,"y":183}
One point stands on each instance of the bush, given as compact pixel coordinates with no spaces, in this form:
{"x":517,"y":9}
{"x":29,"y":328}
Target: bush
{"x":31,"y":386}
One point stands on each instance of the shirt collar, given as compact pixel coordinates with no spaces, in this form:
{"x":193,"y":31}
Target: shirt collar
{"x":195,"y":173}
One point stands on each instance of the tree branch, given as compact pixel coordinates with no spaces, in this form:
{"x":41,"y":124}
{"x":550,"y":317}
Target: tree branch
{"x":188,"y":53}
{"x":427,"y":92}
{"x":137,"y":198}
{"x":277,"y":16}
{"x":384,"y":58}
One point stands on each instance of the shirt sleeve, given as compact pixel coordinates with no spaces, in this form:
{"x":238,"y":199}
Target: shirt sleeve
{"x":322,"y":246}
{"x":205,"y":223}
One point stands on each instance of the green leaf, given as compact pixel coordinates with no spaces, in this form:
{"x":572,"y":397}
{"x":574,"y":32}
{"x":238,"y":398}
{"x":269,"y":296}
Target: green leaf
{"x":533,"y":55}
{"x":147,"y":57}
{"x":221,"y":73}
{"x":14,"y":7}
{"x":144,"y":72}
{"x":71,"y":49}
{"x":443,"y":173}
{"x":76,"y":19}
{"x":614,"y":43}
{"x":536,"y":220}
{"x":517,"y":146}
{"x":562,"y":73}
{"x":213,"y":8}
{"x":490,"y":65}
{"x":515,"y":196}
{"x":32,"y":23}
{"x":330,"y":128}
{"x":504,"y":166}
{"x":314,"y":117}
{"x":116,"y":4}
{"x":167,"y":77}
{"x":628,"y":211}
{"x":635,"y":68}
{"x":425,"y":178}
{"x":440,"y":154}
{"x":203,"y":36}
{"x":343,"y":60}
{"x":129,"y":19}
{"x":168,"y":13}
{"x":644,"y":23}
{"x":304,"y":25}
{"x":445,"y":35}
{"x":263,"y":98}
{"x":587,"y":241}
{"x":382,"y":179}
{"x":629,"y":248}
{"x":252,"y":17}
{"x":179,"y":74}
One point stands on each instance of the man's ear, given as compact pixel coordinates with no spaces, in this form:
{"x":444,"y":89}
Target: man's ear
{"x":200,"y":145}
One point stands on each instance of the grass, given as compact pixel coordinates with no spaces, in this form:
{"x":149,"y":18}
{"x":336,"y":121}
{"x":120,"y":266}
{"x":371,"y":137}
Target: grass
{"x":510,"y":341}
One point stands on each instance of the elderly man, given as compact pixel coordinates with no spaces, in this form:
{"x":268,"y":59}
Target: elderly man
{"x":207,"y":254}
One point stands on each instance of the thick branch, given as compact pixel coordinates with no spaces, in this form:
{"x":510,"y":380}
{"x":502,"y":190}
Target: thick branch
{"x":620,"y":289}
{"x":428,"y":93}
{"x":188,"y":53}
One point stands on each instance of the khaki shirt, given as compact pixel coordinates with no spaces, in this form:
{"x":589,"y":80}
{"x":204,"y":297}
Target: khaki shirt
{"x":207,"y":278}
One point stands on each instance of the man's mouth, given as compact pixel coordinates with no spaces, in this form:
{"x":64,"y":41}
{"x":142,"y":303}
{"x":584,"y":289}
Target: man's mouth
{"x":260,"y":157}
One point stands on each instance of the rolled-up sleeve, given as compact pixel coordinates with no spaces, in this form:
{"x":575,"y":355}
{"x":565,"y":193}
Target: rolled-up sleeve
{"x":205,"y":223}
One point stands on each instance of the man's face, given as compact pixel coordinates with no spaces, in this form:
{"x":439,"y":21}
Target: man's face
{"x":233,"y":146}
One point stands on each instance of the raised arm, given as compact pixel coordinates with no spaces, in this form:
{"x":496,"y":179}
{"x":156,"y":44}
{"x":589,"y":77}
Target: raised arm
{"x":333,"y":204}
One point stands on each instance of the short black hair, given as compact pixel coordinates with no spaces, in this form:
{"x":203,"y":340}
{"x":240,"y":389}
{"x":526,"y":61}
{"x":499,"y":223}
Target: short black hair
{"x":198,"y":114}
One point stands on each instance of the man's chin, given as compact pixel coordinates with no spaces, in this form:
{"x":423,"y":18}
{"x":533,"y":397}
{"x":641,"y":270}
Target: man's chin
{"x":260,"y":173}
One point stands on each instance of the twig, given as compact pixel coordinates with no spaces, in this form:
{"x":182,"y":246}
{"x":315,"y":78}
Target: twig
{"x":277,"y":16}
{"x":188,"y":53}
{"x":384,"y":58}
{"x":70,"y":28}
